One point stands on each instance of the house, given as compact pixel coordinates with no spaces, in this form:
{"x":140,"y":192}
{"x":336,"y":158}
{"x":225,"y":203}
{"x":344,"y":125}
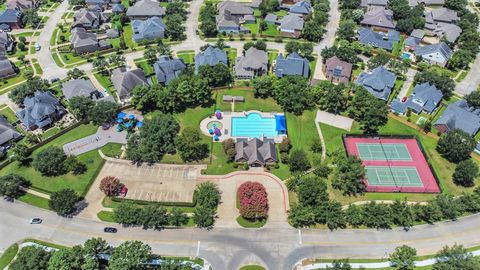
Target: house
{"x":448,"y":30}
{"x":437,"y":15}
{"x":145,"y":9}
{"x":338,"y":71}
{"x":118,"y":8}
{"x":86,"y":42}
{"x":271,"y":18}
{"x":125,"y":80}
{"x":301,"y":8}
{"x":6,"y":41}
{"x":378,"y":39}
{"x":8,"y":133}
{"x":373,"y":3}
{"x":88,"y":19}
{"x":80,"y":87}
{"x":97,"y":4}
{"x":211,"y":56}
{"x":459,"y":115}
{"x":167,"y":69}
{"x":437,"y":54}
{"x":256,"y":152}
{"x":256,"y":3}
{"x":291,"y":25}
{"x":418,"y":33}
{"x":150,"y":29}
{"x":7,"y":69}
{"x":293,"y":64}
{"x":413,"y":3}
{"x":379,"y":82}
{"x":381,"y":18}
{"x":253,"y":63}
{"x":424,"y":98}
{"x":11,"y":19}
{"x":22,"y":4}
{"x":231,"y":15}
{"x":112,"y":33}
{"x":40,"y":111}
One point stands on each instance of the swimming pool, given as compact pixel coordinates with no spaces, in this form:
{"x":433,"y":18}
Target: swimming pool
{"x":254,"y":126}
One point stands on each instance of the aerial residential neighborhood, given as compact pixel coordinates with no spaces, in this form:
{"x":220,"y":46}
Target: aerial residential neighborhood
{"x":240,"y":134}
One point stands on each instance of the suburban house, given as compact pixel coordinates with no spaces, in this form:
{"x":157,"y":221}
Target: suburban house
{"x":211,"y":56}
{"x":40,"y":110}
{"x":125,"y":80}
{"x":256,"y":152}
{"x":6,"y":41}
{"x":271,"y":18}
{"x":424,"y":98}
{"x":150,"y":29}
{"x":10,"y":19}
{"x":379,"y":82}
{"x":437,"y":54}
{"x":378,"y":39}
{"x":301,"y":8}
{"x":7,"y":69}
{"x":8,"y":133}
{"x":97,"y":4}
{"x":167,"y":69}
{"x":22,"y":4}
{"x":373,"y":3}
{"x":379,"y":18}
{"x":448,"y":30}
{"x":112,"y":33}
{"x":413,"y":3}
{"x":253,"y":63}
{"x":293,"y":64}
{"x":88,"y":19}
{"x":231,"y":15}
{"x":86,"y":42}
{"x":145,"y":9}
{"x":338,"y":71}
{"x":414,"y":40}
{"x":80,"y":87}
{"x":118,"y":8}
{"x":459,"y":115}
{"x":291,"y":25}
{"x":437,"y":15}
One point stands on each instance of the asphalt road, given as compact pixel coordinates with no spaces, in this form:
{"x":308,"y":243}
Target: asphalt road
{"x":227,"y":248}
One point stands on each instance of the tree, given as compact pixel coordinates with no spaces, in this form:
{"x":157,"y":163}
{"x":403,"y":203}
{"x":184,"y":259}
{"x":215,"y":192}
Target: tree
{"x":109,"y":185}
{"x":253,"y":200}
{"x":456,"y":4}
{"x":177,"y":217}
{"x":155,"y":139}
{"x":50,"y":161}
{"x":312,"y":31}
{"x":465,"y":173}
{"x":456,"y":145}
{"x":145,"y":98}
{"x":30,"y":17}
{"x":332,"y":215}
{"x":473,"y":99}
{"x":402,"y":214}
{"x":95,"y":246}
{"x":207,"y":20}
{"x":218,"y":75}
{"x":354,"y":215}
{"x":298,"y":161}
{"x":349,"y":176}
{"x":312,"y":191}
{"x":380,"y":59}
{"x":448,"y":206}
{"x":442,"y":82}
{"x":151,"y":54}
{"x":377,"y":215}
{"x":32,"y":258}
{"x":340,"y":265}
{"x":21,"y":153}
{"x":117,"y":60}
{"x":229,"y":149}
{"x":371,"y":112}
{"x":204,"y":217}
{"x":263,"y":86}
{"x":346,"y":30}
{"x":19,"y":93}
{"x":190,"y":145}
{"x":301,"y":216}
{"x":66,"y":259}
{"x":461,"y":59}
{"x":176,"y":7}
{"x":103,"y":112}
{"x":64,"y":201}
{"x":80,"y":106}
{"x":329,"y":97}
{"x":130,"y":255}
{"x":22,"y":39}
{"x":403,"y":258}
{"x":21,"y":46}
{"x":175,"y":29}
{"x":292,"y":93}
{"x":207,"y":194}
{"x":153,"y":216}
{"x":127,"y":214}
{"x":75,"y":73}
{"x":303,"y":49}
{"x":455,"y":257}
{"x":100,"y":64}
{"x":11,"y":185}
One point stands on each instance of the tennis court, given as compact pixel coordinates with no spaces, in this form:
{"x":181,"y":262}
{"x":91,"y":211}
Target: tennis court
{"x":393,"y":176}
{"x":387,"y":151}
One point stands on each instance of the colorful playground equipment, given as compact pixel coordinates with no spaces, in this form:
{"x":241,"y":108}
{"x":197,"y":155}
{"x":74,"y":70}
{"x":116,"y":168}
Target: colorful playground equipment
{"x":218,"y":114}
{"x":215,"y":131}
{"x":127,"y":123}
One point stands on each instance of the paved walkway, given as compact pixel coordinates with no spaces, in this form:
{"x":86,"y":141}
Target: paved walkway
{"x":408,"y":82}
{"x":95,"y":141}
{"x":334,"y":120}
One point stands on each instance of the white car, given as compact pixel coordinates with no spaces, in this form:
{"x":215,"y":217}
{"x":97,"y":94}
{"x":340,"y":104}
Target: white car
{"x":37,"y":47}
{"x":36,"y":221}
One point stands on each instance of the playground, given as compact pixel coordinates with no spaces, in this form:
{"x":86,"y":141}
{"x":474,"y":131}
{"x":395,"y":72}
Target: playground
{"x":393,"y":164}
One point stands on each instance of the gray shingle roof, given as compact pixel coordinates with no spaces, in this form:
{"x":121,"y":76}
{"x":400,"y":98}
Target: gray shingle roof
{"x":302,"y":7}
{"x":271,"y":18}
{"x":460,"y":115}
{"x":211,"y":56}
{"x":418,"y":33}
{"x":441,"y":48}
{"x":80,"y":87}
{"x":88,"y":18}
{"x":146,"y":8}
{"x":376,"y":39}
{"x":291,"y":22}
{"x":293,"y":64}
{"x":234,"y":8}
{"x":338,"y":69}
{"x":6,"y":67}
{"x":7,"y":132}
{"x":424,"y":97}
{"x":379,"y":17}
{"x":254,"y":60}
{"x":150,"y":28}
{"x":256,"y":151}
{"x":448,"y":30}
{"x":118,"y":8}
{"x":10,"y":16}
{"x":379,"y":82}
{"x":124,"y":81}
{"x":167,"y":69}
{"x":366,"y":3}
{"x":40,"y":110}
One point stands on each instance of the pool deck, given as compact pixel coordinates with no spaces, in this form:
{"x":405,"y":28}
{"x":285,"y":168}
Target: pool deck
{"x":227,"y":124}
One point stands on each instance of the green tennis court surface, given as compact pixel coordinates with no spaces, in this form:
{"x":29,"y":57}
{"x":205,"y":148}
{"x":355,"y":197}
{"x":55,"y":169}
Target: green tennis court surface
{"x":393,"y":176}
{"x":383,"y":151}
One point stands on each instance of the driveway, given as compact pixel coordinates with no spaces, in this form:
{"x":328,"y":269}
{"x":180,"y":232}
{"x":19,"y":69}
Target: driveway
{"x":408,"y":82}
{"x":471,"y":82}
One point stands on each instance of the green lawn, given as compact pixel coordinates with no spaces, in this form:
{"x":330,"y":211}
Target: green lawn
{"x":251,"y":103}
{"x":70,"y":59}
{"x":188,"y":57}
{"x":79,"y":183}
{"x":145,"y":66}
{"x":112,"y":149}
{"x":252,"y":267}
{"x":250,"y":224}
{"x":127,"y":36}
{"x":271,"y":30}
{"x":281,"y":13}
{"x":8,"y":114}
{"x":105,"y":216}
{"x":8,"y":256}
{"x":34,"y":200}
{"x":272,"y":56}
{"x":50,"y":132}
{"x":253,"y":27}
{"x":232,"y":56}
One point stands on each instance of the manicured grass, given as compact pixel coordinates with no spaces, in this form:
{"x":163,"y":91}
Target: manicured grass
{"x":251,"y":103}
{"x":462,"y":75}
{"x":272,"y":56}
{"x":8,"y":114}
{"x":271,"y":30}
{"x":109,"y":203}
{"x":145,"y":66}
{"x":232,"y":56}
{"x":281,"y":13}
{"x":44,"y":243}
{"x":252,"y":267}
{"x":50,"y":132}
{"x":112,"y":150}
{"x":251,"y":224}
{"x":253,"y":27}
{"x":79,"y":183}
{"x":70,"y":59}
{"x":127,"y":36}
{"x":8,"y":255}
{"x":105,"y":216}
{"x":188,"y":58}
{"x":34,"y":200}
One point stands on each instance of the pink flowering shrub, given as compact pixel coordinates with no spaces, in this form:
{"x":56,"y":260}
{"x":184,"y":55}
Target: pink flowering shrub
{"x":253,"y":200}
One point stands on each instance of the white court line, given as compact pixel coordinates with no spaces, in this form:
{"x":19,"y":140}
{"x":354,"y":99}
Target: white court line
{"x":299,"y":236}
{"x":198,"y":248}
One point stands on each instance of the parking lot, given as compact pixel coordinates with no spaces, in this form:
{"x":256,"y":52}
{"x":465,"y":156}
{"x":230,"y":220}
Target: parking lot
{"x":158,"y":182}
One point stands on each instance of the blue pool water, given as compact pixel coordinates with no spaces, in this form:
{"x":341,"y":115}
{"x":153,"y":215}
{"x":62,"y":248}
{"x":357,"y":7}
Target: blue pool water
{"x":405,"y":55}
{"x":254,"y":126}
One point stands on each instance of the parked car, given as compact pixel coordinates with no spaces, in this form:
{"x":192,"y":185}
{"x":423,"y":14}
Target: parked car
{"x":110,"y":230}
{"x":8,"y":199}
{"x":36,"y":221}
{"x":404,"y":99}
{"x":54,"y":80}
{"x":37,"y":47}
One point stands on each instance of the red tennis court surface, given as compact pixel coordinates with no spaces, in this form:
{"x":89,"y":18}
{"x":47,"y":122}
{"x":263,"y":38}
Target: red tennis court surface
{"x":393,"y":164}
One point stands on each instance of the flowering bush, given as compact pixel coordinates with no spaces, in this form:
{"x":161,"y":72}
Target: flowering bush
{"x":109,"y":185}
{"x":253,"y":200}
